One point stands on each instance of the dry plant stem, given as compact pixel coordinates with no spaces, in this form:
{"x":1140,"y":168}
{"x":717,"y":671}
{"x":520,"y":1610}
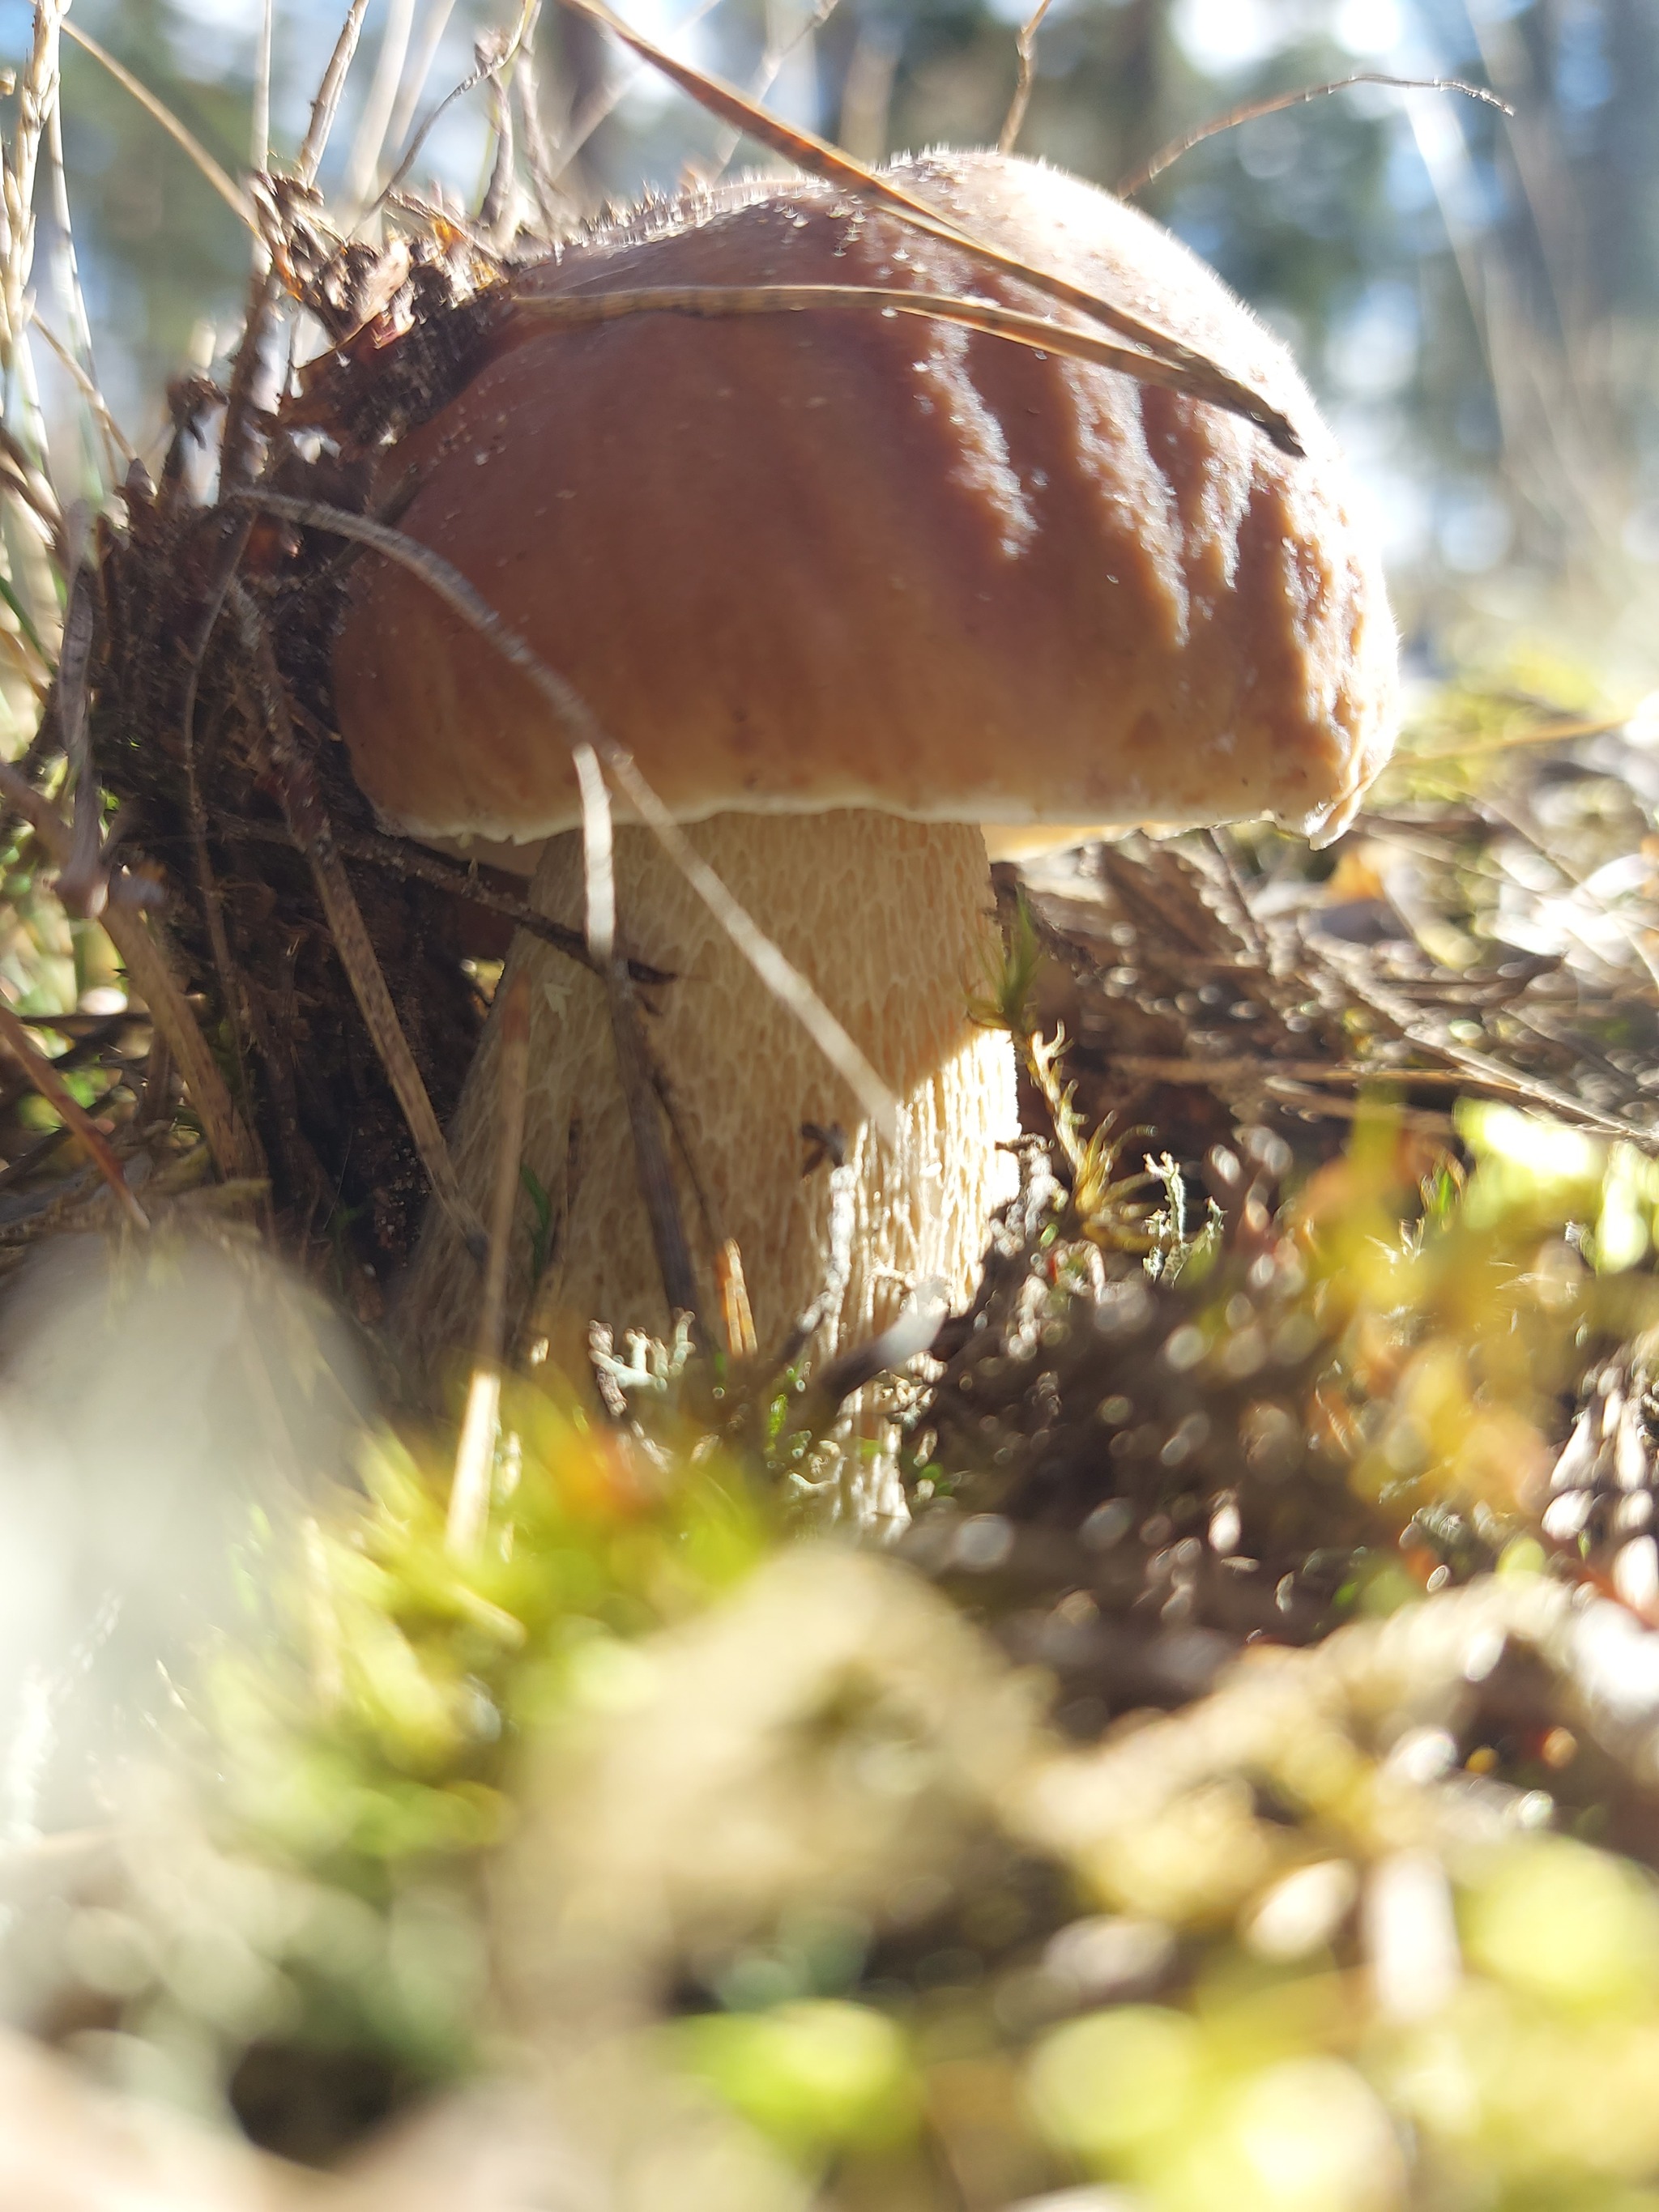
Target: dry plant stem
{"x":56,"y":1093}
{"x":1247,"y":111}
{"x":185,"y":140}
{"x":326,"y":104}
{"x":712,"y":302}
{"x":469,"y":1495}
{"x":581,"y":730}
{"x":490,"y":67}
{"x":242,"y":441}
{"x":141,"y":943}
{"x":312,"y":831}
{"x":1026,"y":47}
{"x":1201,"y":377}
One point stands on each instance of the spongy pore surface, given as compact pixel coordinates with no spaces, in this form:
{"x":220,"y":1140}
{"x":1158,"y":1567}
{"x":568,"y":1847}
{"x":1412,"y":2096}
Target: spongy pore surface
{"x":822,"y":560}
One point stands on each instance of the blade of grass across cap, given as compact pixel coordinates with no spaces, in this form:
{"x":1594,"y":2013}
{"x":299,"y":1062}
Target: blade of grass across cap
{"x":1248,"y":109}
{"x":1204,"y":379}
{"x":579,"y":310}
{"x":185,"y":139}
{"x":581,"y":727}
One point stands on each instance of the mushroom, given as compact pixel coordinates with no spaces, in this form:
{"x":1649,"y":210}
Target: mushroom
{"x":852,"y":589}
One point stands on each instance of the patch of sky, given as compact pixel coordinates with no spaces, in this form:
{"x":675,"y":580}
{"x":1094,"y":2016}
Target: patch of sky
{"x":1475,"y":526}
{"x":1391,"y":492}
{"x":1371,"y":352}
{"x":1370,"y":30}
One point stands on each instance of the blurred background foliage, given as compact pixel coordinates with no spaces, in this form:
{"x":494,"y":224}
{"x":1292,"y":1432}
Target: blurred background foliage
{"x":1475,"y":300}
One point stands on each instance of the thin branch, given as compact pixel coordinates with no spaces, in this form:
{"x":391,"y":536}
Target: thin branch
{"x":1248,"y":109}
{"x":185,"y":140}
{"x":56,"y":1093}
{"x":324,"y":108}
{"x":1025,"y":45}
{"x":580,"y":310}
{"x":582,"y":728}
{"x":1203,"y":378}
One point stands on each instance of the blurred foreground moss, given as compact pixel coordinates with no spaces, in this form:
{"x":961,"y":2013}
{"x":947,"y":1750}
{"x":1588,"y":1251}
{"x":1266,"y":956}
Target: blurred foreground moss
{"x":650,"y":1785}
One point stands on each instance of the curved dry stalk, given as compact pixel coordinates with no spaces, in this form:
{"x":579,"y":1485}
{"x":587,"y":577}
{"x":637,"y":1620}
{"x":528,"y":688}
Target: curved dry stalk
{"x":579,"y":310}
{"x":1248,"y":109}
{"x":489,"y":66}
{"x":583,"y":730}
{"x":1025,"y":46}
{"x":1200,"y":377}
{"x":326,"y":105}
{"x":184,"y":139}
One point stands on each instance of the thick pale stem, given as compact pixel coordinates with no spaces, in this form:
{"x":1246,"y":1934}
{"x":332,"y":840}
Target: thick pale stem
{"x":891,"y":921}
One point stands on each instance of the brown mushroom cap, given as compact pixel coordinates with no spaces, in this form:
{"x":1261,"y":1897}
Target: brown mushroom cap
{"x":804,"y":561}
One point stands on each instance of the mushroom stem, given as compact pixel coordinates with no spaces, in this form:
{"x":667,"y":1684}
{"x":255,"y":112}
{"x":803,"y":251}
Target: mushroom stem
{"x":891,"y":920}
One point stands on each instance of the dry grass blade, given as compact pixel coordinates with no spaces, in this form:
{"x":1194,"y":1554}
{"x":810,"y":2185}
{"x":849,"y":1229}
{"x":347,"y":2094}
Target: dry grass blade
{"x":1248,"y":109}
{"x":56,"y":1093}
{"x":236,"y":1151}
{"x":37,"y":92}
{"x":572,"y":712}
{"x":469,"y":1494}
{"x":579,"y":311}
{"x":184,"y":139}
{"x":1025,"y":45}
{"x":314,"y":835}
{"x":1202,"y":378}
